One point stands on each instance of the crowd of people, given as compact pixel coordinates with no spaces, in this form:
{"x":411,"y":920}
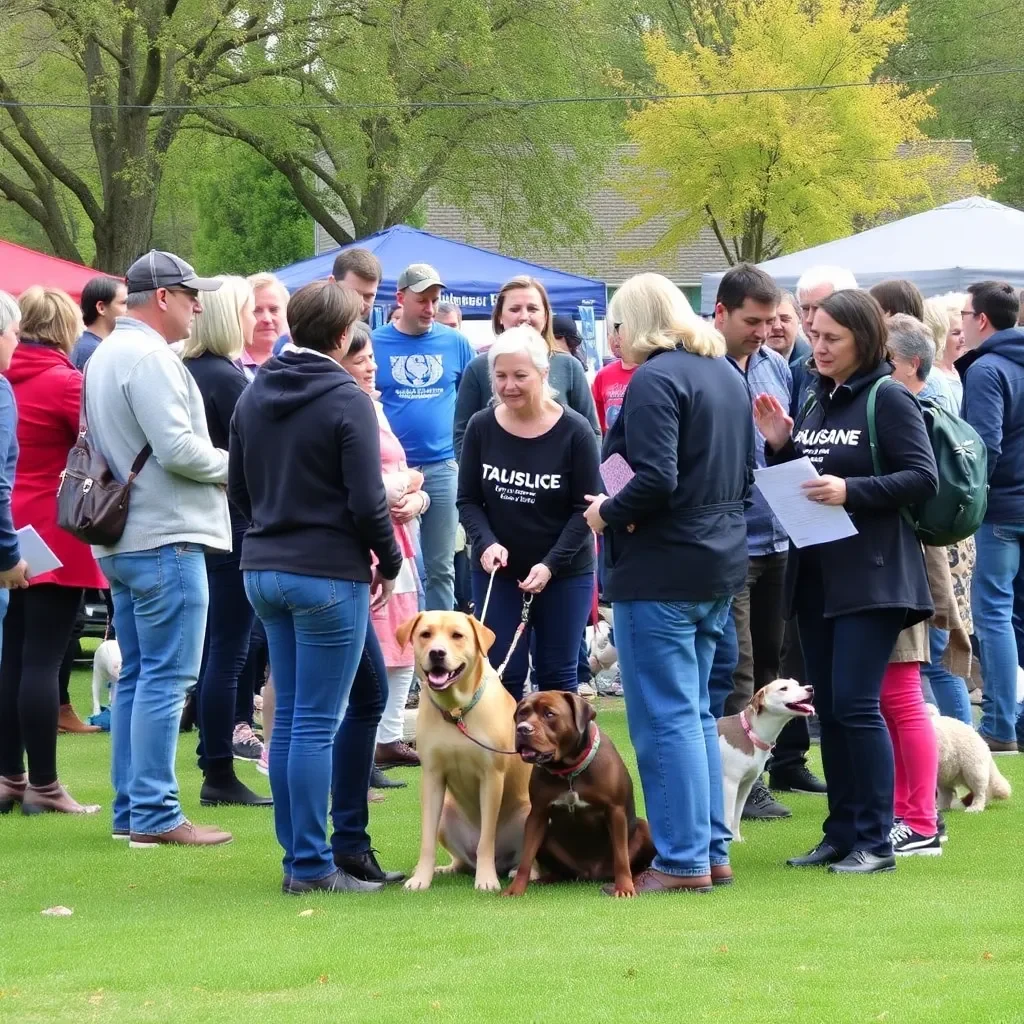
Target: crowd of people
{"x":299,"y":486}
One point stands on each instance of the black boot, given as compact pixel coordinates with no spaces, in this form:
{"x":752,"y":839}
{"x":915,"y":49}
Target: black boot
{"x":378,"y":780}
{"x":364,"y":866}
{"x":221,"y":786}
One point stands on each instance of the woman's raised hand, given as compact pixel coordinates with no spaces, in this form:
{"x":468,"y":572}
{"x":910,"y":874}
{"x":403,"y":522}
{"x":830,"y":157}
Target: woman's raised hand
{"x":775,"y":424}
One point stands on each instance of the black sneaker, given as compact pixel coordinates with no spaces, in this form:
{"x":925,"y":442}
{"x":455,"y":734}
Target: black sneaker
{"x":799,"y":779}
{"x":762,"y":806}
{"x":908,"y":843}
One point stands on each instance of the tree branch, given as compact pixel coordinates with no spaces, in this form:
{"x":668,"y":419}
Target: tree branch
{"x":718,"y":234}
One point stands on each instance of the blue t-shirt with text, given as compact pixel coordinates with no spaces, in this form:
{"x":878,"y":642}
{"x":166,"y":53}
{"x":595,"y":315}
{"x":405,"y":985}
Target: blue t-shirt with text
{"x":418,"y":376}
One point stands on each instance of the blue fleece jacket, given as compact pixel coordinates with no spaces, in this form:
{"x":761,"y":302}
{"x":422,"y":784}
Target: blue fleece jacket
{"x":993,"y":376}
{"x":9,"y":551}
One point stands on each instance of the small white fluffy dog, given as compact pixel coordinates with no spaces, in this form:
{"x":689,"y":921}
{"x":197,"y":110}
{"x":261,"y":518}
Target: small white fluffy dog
{"x":745,"y":740}
{"x":965,"y":760}
{"x":106,"y":667}
{"x":602,"y":654}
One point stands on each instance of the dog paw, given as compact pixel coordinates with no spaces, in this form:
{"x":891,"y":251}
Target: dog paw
{"x":974,"y":807}
{"x":447,"y":869}
{"x":514,"y":890}
{"x":624,"y":890}
{"x":487,"y":883}
{"x":418,"y":882}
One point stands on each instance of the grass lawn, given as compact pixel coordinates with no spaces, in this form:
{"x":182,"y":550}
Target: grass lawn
{"x":206,"y":936}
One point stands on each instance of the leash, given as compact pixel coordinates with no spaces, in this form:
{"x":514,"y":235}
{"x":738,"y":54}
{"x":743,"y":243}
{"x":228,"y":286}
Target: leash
{"x":520,"y":630}
{"x":487,"y":598}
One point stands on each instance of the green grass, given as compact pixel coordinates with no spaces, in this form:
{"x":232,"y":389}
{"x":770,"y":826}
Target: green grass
{"x":206,"y":936}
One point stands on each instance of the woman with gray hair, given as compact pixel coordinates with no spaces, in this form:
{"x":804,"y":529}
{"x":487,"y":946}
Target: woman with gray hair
{"x":675,"y":553}
{"x":912,"y":351}
{"x":527,"y":465}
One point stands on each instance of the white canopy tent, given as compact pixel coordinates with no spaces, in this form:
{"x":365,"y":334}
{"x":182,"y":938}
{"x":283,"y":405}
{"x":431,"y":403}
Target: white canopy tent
{"x":942,"y":250}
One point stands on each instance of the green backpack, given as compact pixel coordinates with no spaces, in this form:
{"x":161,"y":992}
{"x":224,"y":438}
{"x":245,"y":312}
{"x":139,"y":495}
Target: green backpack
{"x":957,"y":510}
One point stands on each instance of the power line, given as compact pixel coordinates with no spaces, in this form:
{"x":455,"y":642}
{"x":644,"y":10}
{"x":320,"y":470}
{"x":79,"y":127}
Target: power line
{"x":516,"y":103}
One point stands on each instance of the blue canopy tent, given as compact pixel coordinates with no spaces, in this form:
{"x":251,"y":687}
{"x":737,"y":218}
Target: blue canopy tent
{"x":472,"y":276}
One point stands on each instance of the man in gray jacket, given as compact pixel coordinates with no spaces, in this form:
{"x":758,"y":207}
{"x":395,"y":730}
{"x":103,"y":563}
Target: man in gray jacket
{"x":144,"y":407}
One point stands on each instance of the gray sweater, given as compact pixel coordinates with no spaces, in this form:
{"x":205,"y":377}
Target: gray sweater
{"x":565,"y":375}
{"x":138,"y":391}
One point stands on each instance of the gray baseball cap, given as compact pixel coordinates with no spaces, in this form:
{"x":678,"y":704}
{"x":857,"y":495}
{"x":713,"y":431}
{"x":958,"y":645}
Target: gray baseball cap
{"x":419,"y":277}
{"x":165,"y":270}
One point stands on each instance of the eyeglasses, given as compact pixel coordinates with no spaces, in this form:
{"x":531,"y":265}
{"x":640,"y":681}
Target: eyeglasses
{"x":190,"y":292}
{"x":969,"y":312}
{"x":615,"y":328}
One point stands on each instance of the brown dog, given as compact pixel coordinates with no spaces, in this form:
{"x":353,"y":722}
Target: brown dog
{"x":474,"y":799}
{"x":582,"y":822}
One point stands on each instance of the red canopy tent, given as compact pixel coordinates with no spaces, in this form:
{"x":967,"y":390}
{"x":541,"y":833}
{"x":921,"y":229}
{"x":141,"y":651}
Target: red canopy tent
{"x":20,"y":268}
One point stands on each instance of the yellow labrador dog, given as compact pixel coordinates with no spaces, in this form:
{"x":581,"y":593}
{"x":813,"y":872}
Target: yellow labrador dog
{"x":474,"y":800}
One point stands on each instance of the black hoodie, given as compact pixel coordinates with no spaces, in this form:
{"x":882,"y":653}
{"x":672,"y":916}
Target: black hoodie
{"x":305,"y":469}
{"x":882,"y":566}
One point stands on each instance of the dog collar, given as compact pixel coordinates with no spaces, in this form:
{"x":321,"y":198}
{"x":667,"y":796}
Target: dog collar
{"x":455,"y":715}
{"x":575,"y":771}
{"x":752,"y":736}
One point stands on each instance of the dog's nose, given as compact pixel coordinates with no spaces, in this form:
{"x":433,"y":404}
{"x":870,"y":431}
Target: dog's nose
{"x":524,"y":728}
{"x":438,"y":653}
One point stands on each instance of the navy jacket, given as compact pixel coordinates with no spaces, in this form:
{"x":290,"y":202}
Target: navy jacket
{"x":305,"y":470}
{"x":993,"y":376}
{"x":686,"y":432}
{"x":882,"y":566}
{"x":801,"y":366}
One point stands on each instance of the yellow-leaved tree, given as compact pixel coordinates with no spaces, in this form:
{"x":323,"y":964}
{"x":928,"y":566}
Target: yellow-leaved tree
{"x":773,"y":171}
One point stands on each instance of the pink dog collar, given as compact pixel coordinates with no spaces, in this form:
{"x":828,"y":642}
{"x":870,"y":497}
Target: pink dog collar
{"x":752,"y":736}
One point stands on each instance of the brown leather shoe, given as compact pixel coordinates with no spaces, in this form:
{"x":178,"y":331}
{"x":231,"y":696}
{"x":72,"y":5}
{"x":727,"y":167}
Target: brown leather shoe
{"x":373,"y":797}
{"x":651,"y":881}
{"x":186,"y":834}
{"x":721,"y":874}
{"x":999,"y":746}
{"x":395,"y":755}
{"x":12,"y":791}
{"x":68,"y":721}
{"x":53,"y":799}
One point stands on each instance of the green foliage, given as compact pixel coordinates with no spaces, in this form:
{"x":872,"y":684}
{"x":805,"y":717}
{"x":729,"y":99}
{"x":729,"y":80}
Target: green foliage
{"x":776,"y":171}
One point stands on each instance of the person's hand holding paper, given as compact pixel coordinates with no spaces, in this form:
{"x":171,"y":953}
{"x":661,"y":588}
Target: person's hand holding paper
{"x":788,"y":488}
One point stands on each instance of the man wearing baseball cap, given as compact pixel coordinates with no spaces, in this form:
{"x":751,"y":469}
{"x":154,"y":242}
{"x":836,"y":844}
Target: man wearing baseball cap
{"x":143,"y":407}
{"x":419,"y":365}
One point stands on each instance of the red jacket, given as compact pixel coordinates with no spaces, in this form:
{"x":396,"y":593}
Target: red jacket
{"x":48,"y":390}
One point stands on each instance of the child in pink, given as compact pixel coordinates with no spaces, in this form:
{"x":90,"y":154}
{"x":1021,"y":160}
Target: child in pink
{"x":610,"y":385}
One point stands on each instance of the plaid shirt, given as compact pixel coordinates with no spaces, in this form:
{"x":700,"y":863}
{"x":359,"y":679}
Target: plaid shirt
{"x":767,"y":373}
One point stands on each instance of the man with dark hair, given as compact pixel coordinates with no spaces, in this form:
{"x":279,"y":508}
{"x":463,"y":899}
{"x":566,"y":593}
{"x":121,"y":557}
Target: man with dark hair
{"x":992,"y":369}
{"x":361,"y":271}
{"x":104,"y":299}
{"x":745,"y":314}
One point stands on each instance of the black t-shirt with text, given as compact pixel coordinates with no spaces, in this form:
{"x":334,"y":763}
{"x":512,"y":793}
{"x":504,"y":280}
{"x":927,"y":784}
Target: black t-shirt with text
{"x":528,"y":493}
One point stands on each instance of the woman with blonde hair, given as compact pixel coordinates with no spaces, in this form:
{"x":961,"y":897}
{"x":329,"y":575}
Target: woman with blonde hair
{"x":524,"y":300}
{"x":41,"y":619}
{"x":219,"y":335}
{"x":675,"y":548}
{"x":943,"y":317}
{"x":527,"y":465}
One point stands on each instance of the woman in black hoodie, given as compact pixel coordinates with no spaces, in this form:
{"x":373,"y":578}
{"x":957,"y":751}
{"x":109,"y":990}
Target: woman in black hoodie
{"x":853,"y":597}
{"x":305,"y":470}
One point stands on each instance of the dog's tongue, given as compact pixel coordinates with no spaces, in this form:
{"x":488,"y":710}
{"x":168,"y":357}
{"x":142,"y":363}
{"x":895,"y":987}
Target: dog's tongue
{"x":438,"y":676}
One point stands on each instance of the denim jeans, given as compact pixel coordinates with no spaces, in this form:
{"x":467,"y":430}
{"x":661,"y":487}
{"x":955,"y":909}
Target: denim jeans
{"x":665,"y":651}
{"x":998,"y":566}
{"x":558,"y":619}
{"x":315,"y":630}
{"x":160,"y":603}
{"x":950,"y":691}
{"x":437,"y":535}
{"x":727,"y":653}
{"x":352,"y":757}
{"x":227,"y":646}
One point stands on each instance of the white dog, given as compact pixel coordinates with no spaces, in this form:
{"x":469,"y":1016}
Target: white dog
{"x":106,"y":668}
{"x":965,"y":760}
{"x":745,"y":740}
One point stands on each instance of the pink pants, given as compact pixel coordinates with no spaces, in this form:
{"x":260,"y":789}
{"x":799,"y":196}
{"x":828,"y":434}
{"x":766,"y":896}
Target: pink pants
{"x":914,"y":744}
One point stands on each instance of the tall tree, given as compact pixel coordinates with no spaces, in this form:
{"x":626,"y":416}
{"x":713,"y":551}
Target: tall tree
{"x":415,"y":101}
{"x":138,"y":67}
{"x":770,"y":170}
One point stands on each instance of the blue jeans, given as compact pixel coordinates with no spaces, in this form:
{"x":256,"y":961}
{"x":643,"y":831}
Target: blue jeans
{"x":160,"y":602}
{"x":996,"y":571}
{"x":727,"y":656}
{"x":558,"y":618}
{"x":665,"y":651}
{"x":354,"y":745}
{"x":437,"y":534}
{"x":315,"y":631}
{"x":950,"y":691}
{"x":227,"y":646}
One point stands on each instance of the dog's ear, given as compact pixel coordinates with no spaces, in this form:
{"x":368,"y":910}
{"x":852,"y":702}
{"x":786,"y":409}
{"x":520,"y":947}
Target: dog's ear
{"x":484,"y":636}
{"x":757,"y":701}
{"x":406,"y":630}
{"x":583,"y":712}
